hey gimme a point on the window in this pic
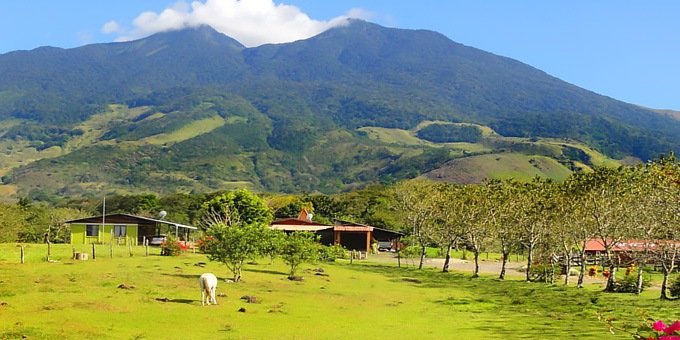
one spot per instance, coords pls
(91, 230)
(119, 231)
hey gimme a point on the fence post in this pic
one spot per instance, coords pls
(130, 248)
(146, 247)
(22, 254)
(94, 253)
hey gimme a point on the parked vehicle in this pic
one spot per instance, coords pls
(157, 240)
(384, 245)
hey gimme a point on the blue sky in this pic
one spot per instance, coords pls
(628, 50)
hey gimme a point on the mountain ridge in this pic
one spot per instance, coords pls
(278, 105)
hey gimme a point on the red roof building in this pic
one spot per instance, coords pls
(353, 236)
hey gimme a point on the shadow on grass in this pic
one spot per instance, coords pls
(194, 276)
(264, 271)
(531, 303)
(185, 301)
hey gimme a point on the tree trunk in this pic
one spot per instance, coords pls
(567, 267)
(237, 272)
(398, 256)
(664, 285)
(504, 261)
(422, 256)
(582, 271)
(639, 279)
(612, 274)
(551, 277)
(447, 259)
(530, 253)
(476, 272)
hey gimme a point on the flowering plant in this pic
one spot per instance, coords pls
(660, 331)
(650, 330)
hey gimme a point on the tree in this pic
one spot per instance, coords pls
(505, 223)
(46, 224)
(416, 207)
(608, 200)
(236, 226)
(534, 201)
(477, 220)
(131, 204)
(234, 244)
(663, 176)
(12, 220)
(450, 209)
(571, 223)
(297, 248)
(233, 207)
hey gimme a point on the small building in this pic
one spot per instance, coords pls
(624, 251)
(124, 229)
(353, 236)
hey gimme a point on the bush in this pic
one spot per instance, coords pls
(674, 287)
(540, 272)
(410, 252)
(331, 253)
(171, 247)
(629, 284)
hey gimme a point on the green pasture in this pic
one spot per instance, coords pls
(69, 299)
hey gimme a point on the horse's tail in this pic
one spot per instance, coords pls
(205, 286)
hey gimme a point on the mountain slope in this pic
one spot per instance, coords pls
(196, 110)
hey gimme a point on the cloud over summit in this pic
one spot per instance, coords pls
(251, 22)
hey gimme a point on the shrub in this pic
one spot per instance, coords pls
(171, 247)
(540, 272)
(410, 252)
(299, 247)
(331, 253)
(629, 284)
(674, 287)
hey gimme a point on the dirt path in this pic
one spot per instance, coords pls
(485, 267)
(489, 267)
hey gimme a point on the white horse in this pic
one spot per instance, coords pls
(208, 283)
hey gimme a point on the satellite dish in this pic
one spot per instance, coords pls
(162, 214)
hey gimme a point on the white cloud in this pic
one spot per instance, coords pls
(111, 27)
(251, 22)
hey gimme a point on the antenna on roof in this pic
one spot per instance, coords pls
(162, 214)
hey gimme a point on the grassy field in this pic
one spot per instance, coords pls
(79, 300)
(501, 166)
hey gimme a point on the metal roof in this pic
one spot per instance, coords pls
(141, 218)
(299, 227)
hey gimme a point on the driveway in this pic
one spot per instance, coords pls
(489, 267)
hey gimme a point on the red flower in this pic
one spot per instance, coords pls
(672, 328)
(659, 326)
(669, 337)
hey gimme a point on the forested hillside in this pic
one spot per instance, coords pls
(194, 110)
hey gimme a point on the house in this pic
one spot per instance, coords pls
(353, 236)
(623, 250)
(124, 229)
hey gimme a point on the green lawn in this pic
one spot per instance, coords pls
(78, 300)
